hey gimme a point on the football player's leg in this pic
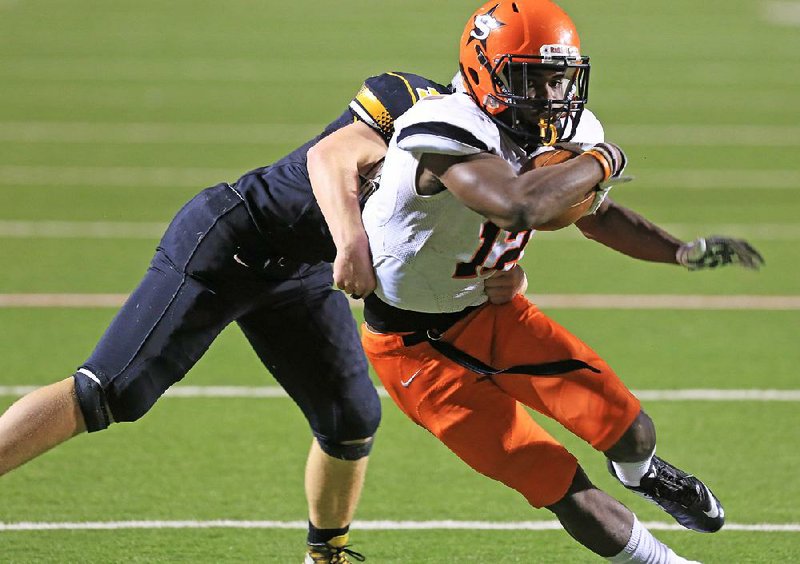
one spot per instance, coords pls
(481, 424)
(163, 328)
(37, 422)
(192, 290)
(606, 527)
(494, 434)
(688, 500)
(593, 403)
(311, 346)
(145, 349)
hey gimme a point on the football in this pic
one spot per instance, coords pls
(574, 212)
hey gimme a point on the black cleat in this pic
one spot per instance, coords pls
(683, 496)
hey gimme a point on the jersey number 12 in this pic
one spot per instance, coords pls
(513, 244)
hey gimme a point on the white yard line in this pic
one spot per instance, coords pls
(62, 300)
(682, 135)
(559, 301)
(362, 525)
(81, 229)
(273, 392)
(785, 13)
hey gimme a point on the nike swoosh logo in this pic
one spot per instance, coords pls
(407, 383)
(714, 512)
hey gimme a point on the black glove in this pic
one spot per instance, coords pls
(715, 251)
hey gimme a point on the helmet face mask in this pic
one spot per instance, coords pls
(521, 63)
(544, 97)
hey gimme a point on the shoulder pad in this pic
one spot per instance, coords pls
(385, 97)
(450, 125)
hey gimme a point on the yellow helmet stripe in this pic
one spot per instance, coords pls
(408, 86)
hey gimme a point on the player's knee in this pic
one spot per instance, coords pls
(370, 417)
(573, 500)
(638, 442)
(90, 391)
(344, 427)
(346, 450)
(363, 424)
(101, 408)
(359, 416)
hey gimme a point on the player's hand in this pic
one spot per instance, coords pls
(600, 194)
(716, 251)
(502, 286)
(352, 269)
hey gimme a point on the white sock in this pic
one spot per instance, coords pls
(644, 548)
(630, 473)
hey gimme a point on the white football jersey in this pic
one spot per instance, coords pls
(431, 252)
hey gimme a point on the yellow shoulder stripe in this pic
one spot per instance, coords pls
(375, 108)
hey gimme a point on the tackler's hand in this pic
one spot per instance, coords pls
(352, 269)
(505, 284)
(716, 251)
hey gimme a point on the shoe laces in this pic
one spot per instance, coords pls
(675, 485)
(335, 554)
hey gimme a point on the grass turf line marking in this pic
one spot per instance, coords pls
(249, 392)
(365, 525)
(559, 301)
(784, 13)
(82, 229)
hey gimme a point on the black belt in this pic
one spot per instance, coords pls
(555, 368)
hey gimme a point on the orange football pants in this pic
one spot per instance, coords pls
(484, 421)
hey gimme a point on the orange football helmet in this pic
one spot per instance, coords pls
(520, 61)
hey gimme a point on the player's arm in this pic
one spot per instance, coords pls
(626, 231)
(334, 165)
(487, 184)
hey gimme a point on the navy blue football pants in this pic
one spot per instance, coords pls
(213, 267)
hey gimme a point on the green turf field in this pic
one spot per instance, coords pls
(113, 114)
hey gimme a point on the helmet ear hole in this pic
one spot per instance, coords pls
(514, 7)
(474, 75)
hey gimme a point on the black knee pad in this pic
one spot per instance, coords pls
(92, 400)
(345, 451)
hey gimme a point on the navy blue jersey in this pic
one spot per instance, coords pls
(279, 196)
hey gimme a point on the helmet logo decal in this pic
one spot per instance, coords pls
(549, 52)
(484, 25)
